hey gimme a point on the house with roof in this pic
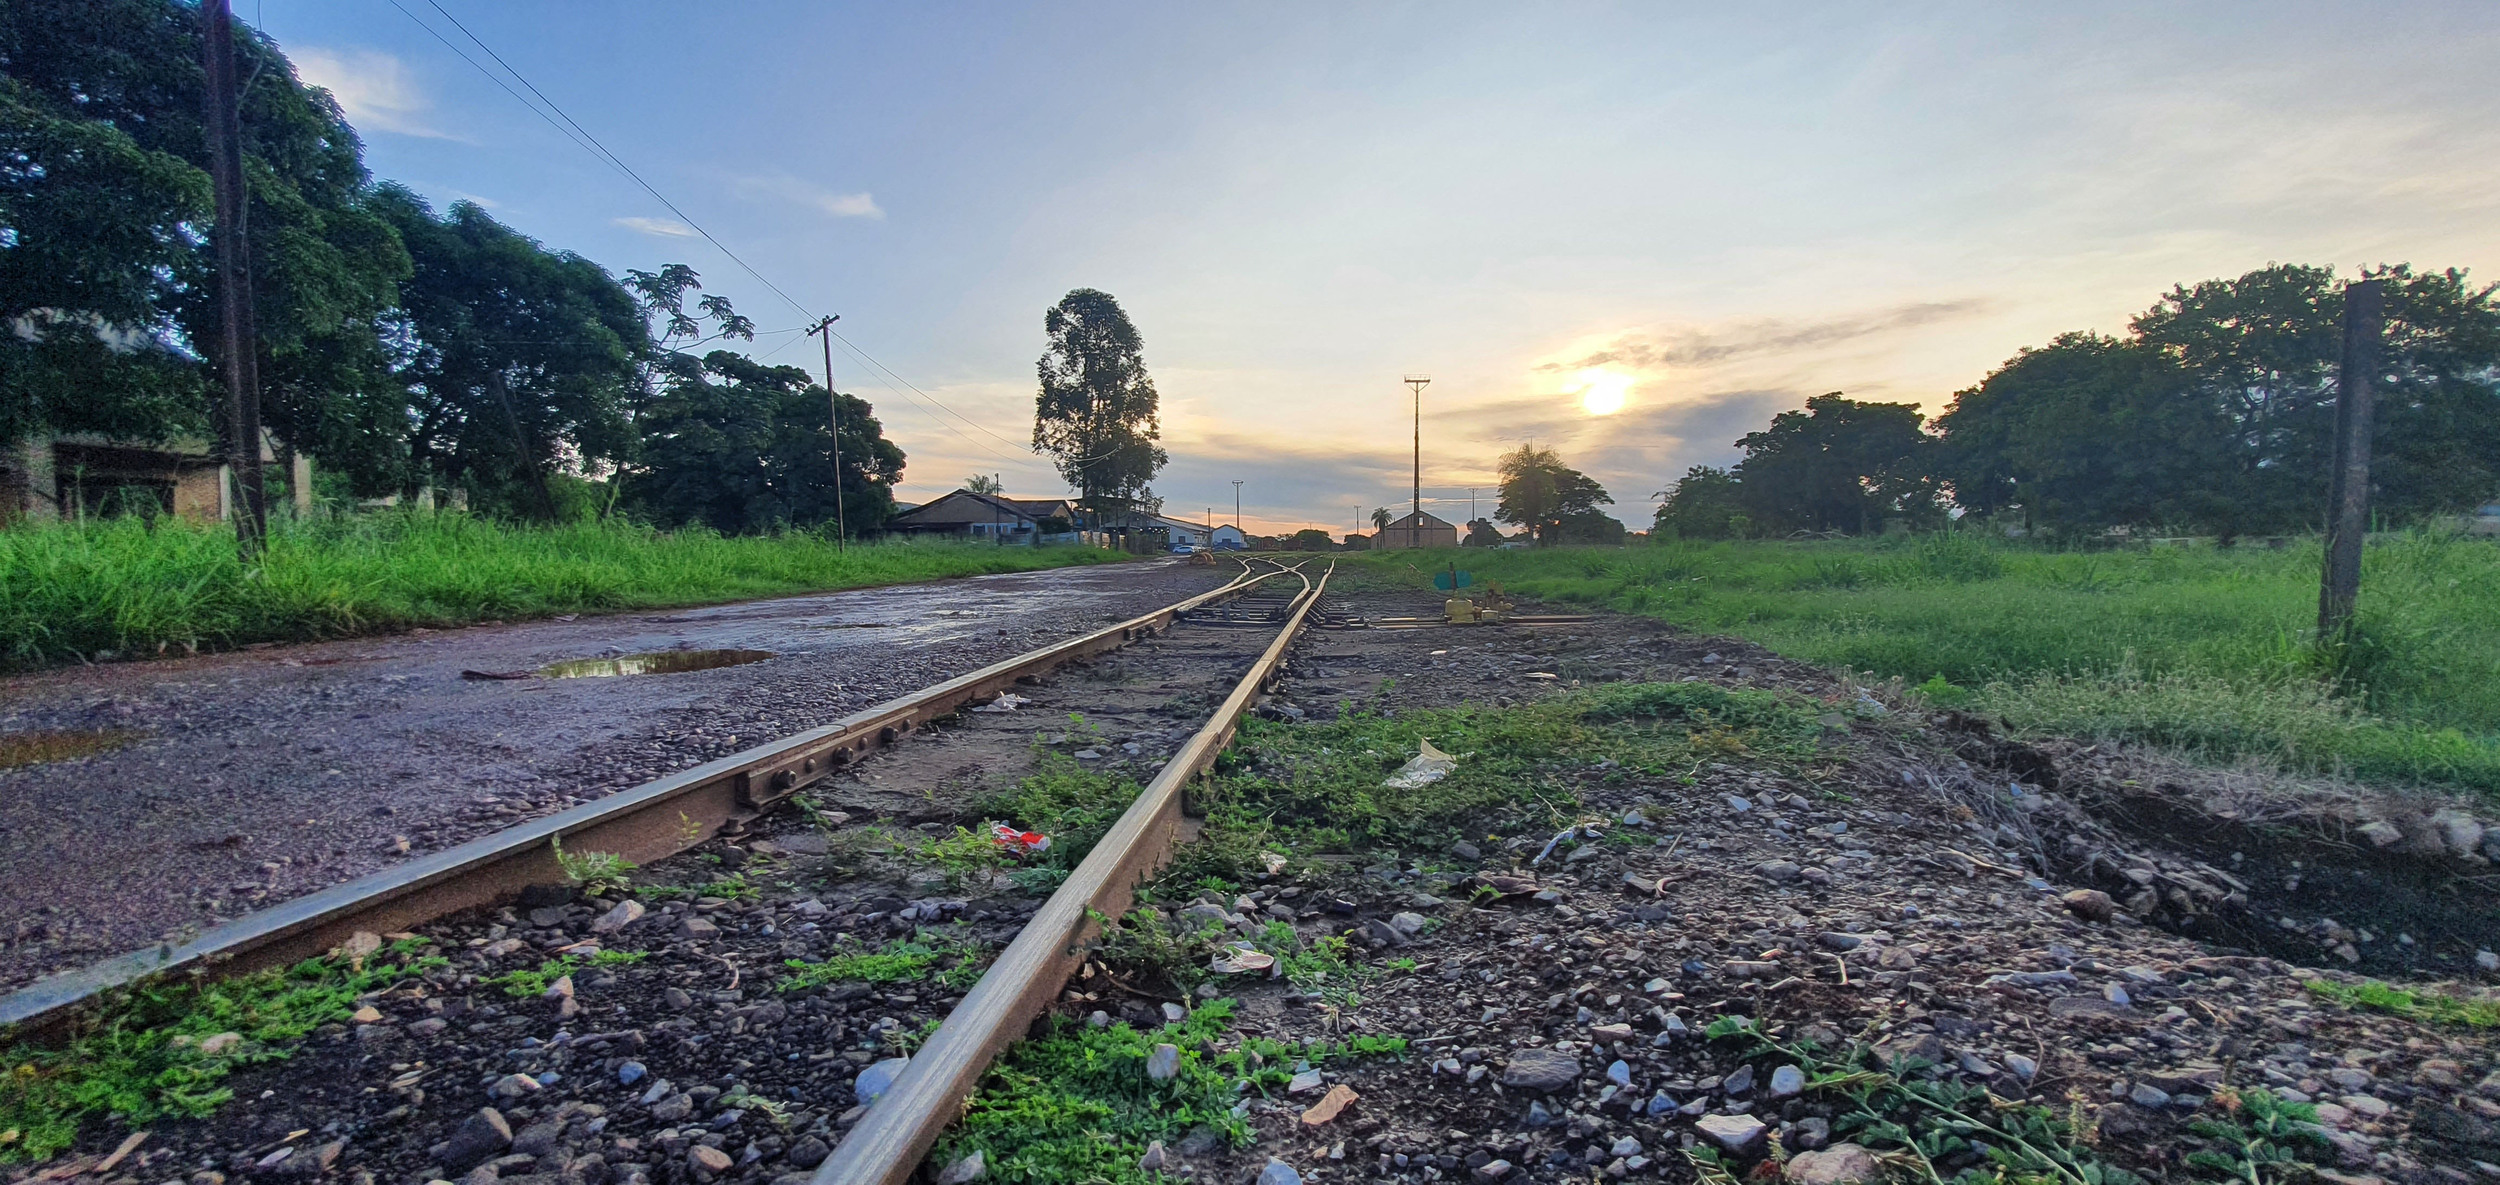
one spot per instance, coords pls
(1416, 529)
(991, 518)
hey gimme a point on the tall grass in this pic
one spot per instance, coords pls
(2205, 649)
(124, 588)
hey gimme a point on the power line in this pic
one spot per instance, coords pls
(582, 138)
(602, 151)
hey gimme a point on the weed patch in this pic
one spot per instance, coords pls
(949, 960)
(1939, 1130)
(1076, 1104)
(166, 1049)
(533, 981)
(2201, 648)
(1318, 788)
(123, 587)
(2427, 1006)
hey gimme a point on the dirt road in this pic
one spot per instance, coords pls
(248, 778)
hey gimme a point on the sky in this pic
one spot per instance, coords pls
(1631, 233)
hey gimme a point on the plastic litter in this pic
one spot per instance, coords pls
(1582, 830)
(1007, 701)
(1023, 843)
(1239, 957)
(1423, 769)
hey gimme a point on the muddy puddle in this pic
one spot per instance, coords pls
(36, 748)
(663, 662)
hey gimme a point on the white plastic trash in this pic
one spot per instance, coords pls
(1424, 768)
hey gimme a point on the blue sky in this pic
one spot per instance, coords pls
(1701, 214)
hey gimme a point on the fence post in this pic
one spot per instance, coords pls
(2348, 500)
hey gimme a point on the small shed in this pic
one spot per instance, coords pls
(1417, 529)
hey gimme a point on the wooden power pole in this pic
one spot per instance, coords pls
(234, 278)
(2348, 501)
(841, 524)
(1415, 521)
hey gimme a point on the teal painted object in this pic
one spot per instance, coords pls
(1453, 580)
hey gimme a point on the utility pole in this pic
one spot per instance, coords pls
(234, 278)
(841, 524)
(1415, 522)
(1245, 531)
(2348, 498)
(1471, 504)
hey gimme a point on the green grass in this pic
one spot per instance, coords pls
(898, 961)
(2426, 1006)
(1076, 1105)
(532, 981)
(2195, 648)
(1316, 788)
(122, 588)
(143, 1059)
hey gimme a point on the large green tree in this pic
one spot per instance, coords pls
(739, 446)
(520, 362)
(103, 234)
(1839, 465)
(1703, 504)
(1098, 416)
(2216, 412)
(1556, 502)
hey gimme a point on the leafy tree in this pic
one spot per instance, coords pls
(1590, 527)
(1381, 518)
(1704, 504)
(2088, 431)
(984, 483)
(1098, 415)
(103, 204)
(1839, 465)
(1310, 539)
(87, 335)
(742, 447)
(2217, 411)
(520, 361)
(1541, 493)
(1481, 533)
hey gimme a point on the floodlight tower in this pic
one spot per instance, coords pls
(1415, 523)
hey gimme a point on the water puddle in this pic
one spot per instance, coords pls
(664, 662)
(35, 748)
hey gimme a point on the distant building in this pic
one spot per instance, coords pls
(84, 475)
(1416, 530)
(1016, 522)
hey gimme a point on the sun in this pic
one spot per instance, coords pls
(1603, 392)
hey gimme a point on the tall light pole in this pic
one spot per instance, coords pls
(1245, 531)
(841, 527)
(1415, 522)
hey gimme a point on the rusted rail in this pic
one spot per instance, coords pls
(897, 1132)
(654, 820)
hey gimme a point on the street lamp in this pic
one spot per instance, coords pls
(1245, 531)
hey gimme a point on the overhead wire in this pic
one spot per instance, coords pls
(581, 137)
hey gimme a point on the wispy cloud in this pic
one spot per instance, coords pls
(791, 189)
(1685, 347)
(375, 90)
(663, 227)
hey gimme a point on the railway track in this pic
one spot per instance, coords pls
(1238, 633)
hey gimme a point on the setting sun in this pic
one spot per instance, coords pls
(1602, 392)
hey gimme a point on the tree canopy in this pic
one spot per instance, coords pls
(1556, 502)
(739, 446)
(1839, 465)
(1098, 416)
(2217, 411)
(400, 347)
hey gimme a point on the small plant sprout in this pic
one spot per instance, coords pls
(594, 873)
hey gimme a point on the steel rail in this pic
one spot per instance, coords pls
(648, 822)
(900, 1127)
